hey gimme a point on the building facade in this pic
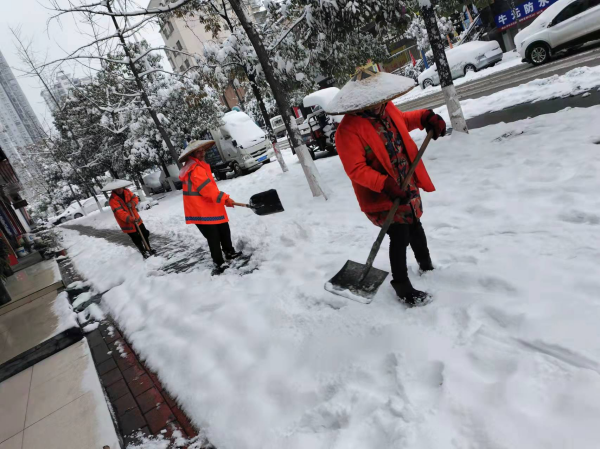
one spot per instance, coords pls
(60, 89)
(19, 125)
(188, 35)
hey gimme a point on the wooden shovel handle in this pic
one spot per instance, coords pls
(240, 204)
(392, 212)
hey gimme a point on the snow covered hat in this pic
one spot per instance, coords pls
(367, 89)
(195, 145)
(116, 184)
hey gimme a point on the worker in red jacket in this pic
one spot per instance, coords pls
(122, 202)
(376, 150)
(204, 204)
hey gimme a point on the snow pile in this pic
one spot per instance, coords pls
(242, 129)
(506, 356)
(64, 313)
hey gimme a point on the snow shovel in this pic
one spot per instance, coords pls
(264, 203)
(360, 282)
(139, 231)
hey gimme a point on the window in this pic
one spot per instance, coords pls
(182, 68)
(179, 46)
(593, 4)
(570, 11)
(187, 63)
(167, 29)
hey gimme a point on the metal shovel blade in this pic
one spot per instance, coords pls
(348, 283)
(266, 203)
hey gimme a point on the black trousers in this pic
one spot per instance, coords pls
(402, 235)
(218, 236)
(137, 238)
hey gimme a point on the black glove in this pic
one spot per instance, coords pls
(433, 122)
(393, 190)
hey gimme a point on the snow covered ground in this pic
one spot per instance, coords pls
(509, 60)
(507, 355)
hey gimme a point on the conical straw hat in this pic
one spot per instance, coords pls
(116, 184)
(195, 145)
(367, 89)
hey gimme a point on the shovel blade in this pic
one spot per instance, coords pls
(266, 203)
(349, 282)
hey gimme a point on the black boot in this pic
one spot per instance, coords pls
(145, 254)
(231, 255)
(219, 269)
(408, 294)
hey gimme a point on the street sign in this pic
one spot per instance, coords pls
(522, 12)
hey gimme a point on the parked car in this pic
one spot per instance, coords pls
(565, 24)
(278, 126)
(241, 146)
(464, 58)
(73, 211)
(318, 129)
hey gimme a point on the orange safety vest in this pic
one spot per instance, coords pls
(203, 202)
(122, 209)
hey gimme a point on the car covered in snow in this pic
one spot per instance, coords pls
(318, 129)
(565, 24)
(464, 58)
(73, 211)
(241, 146)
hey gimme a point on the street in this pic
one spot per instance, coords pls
(589, 56)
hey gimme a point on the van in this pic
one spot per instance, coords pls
(241, 146)
(278, 126)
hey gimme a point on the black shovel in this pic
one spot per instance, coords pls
(360, 282)
(264, 203)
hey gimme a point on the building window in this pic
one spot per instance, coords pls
(167, 29)
(187, 63)
(179, 46)
(182, 68)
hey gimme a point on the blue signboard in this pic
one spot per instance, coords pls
(521, 12)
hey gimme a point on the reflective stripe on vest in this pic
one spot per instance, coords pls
(189, 191)
(220, 197)
(118, 208)
(220, 217)
(123, 228)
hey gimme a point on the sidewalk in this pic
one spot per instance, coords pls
(50, 393)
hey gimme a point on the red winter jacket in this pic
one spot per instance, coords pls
(122, 210)
(354, 134)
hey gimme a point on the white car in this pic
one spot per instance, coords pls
(464, 58)
(74, 211)
(565, 24)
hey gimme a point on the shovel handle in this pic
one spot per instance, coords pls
(392, 212)
(240, 204)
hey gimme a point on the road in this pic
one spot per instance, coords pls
(590, 56)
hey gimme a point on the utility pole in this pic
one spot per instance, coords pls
(457, 118)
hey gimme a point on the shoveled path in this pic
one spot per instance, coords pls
(178, 261)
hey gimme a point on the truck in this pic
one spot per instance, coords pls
(241, 146)
(278, 126)
(318, 129)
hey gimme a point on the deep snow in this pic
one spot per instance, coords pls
(507, 355)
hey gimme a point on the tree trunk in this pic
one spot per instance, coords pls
(259, 99)
(313, 177)
(144, 94)
(263, 109)
(457, 118)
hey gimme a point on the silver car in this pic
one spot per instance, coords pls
(467, 57)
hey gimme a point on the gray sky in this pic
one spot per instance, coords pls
(53, 40)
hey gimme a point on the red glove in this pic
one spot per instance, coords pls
(229, 202)
(433, 122)
(393, 190)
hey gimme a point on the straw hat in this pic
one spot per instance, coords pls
(116, 184)
(193, 146)
(367, 89)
